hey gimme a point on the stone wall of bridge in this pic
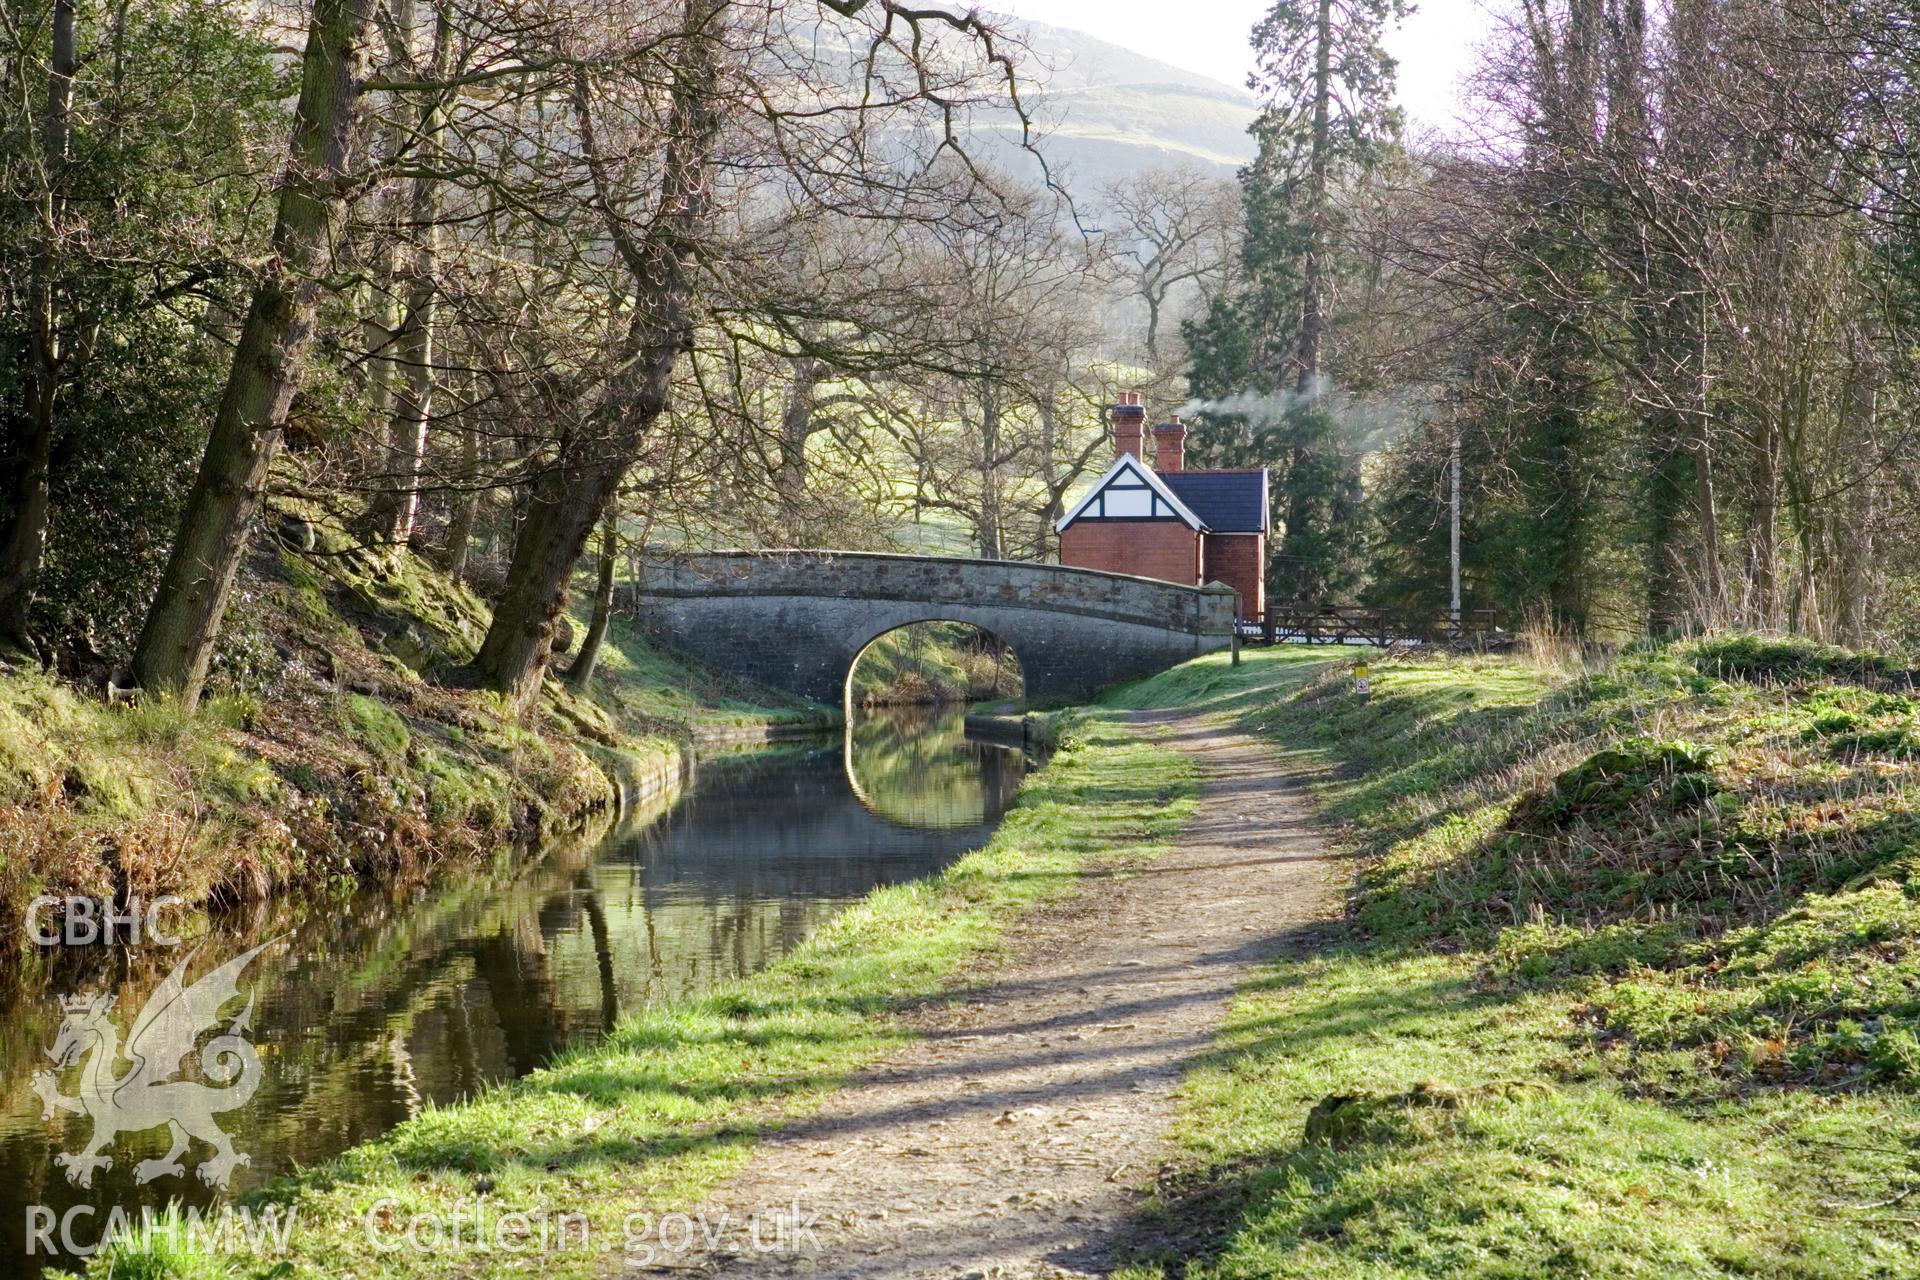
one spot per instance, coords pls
(797, 620)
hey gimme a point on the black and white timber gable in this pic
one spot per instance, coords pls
(1131, 491)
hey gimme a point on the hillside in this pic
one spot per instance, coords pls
(1093, 135)
(1107, 111)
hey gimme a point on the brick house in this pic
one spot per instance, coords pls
(1163, 521)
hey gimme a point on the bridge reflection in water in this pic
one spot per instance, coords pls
(384, 1002)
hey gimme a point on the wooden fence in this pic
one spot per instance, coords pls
(1355, 624)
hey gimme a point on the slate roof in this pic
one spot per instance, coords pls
(1228, 501)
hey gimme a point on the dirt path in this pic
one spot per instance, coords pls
(1019, 1137)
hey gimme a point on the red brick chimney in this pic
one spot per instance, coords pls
(1129, 425)
(1169, 444)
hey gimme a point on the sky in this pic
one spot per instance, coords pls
(1434, 46)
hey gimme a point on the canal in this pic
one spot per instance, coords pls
(375, 1004)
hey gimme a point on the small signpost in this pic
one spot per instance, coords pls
(1360, 684)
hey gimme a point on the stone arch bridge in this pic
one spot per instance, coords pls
(798, 620)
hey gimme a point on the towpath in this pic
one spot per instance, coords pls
(1021, 1134)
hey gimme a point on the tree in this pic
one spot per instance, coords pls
(1666, 320)
(1319, 130)
(568, 498)
(1179, 230)
(571, 221)
(23, 536)
(1326, 124)
(587, 661)
(1007, 418)
(176, 643)
(723, 61)
(125, 164)
(396, 505)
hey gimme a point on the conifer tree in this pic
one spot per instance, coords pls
(1326, 122)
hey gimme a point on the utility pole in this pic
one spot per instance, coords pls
(1456, 532)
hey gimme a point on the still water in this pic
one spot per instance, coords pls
(374, 1006)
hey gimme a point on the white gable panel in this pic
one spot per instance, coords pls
(1120, 494)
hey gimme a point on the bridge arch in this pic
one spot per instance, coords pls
(797, 620)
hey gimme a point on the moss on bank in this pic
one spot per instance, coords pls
(1629, 987)
(328, 750)
(671, 1102)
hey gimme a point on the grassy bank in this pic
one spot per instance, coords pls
(672, 1101)
(1630, 984)
(327, 750)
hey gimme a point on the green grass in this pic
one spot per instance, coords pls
(1629, 987)
(672, 1101)
(1529, 1157)
(1214, 684)
(86, 787)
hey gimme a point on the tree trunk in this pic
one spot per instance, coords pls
(1054, 507)
(796, 428)
(466, 508)
(989, 530)
(565, 503)
(569, 496)
(1764, 522)
(1666, 505)
(1855, 548)
(1665, 354)
(177, 641)
(580, 674)
(1312, 265)
(1565, 526)
(380, 325)
(1712, 588)
(23, 537)
(396, 508)
(383, 310)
